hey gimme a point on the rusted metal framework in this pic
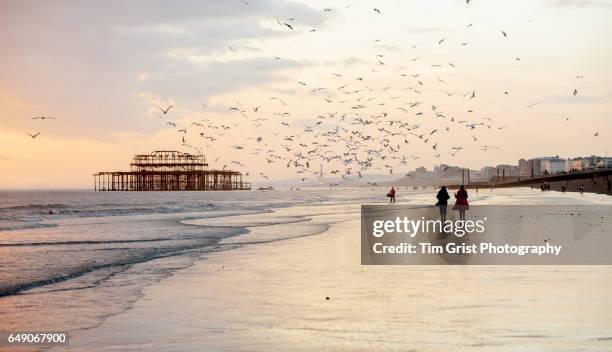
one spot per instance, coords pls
(168, 170)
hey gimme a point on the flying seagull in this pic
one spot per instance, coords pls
(34, 135)
(284, 24)
(166, 110)
(43, 118)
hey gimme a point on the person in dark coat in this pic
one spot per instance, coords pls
(391, 195)
(461, 202)
(442, 203)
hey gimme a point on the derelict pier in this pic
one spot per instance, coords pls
(164, 170)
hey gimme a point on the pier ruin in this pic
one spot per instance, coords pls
(169, 170)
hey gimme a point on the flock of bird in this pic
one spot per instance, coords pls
(348, 138)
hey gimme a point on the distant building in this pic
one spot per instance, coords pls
(545, 165)
(604, 163)
(507, 170)
(422, 173)
(552, 166)
(576, 164)
(583, 163)
(523, 168)
(447, 172)
(487, 172)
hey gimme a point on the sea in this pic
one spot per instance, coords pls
(81, 256)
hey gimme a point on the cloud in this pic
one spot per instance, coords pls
(426, 29)
(579, 3)
(353, 60)
(93, 60)
(570, 99)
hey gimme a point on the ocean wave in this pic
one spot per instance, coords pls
(24, 226)
(73, 243)
(37, 215)
(150, 254)
(33, 206)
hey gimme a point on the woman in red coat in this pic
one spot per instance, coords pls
(461, 202)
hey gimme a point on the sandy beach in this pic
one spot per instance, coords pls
(273, 296)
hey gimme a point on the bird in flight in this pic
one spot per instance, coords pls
(166, 110)
(43, 118)
(575, 92)
(596, 134)
(505, 34)
(284, 24)
(34, 135)
(377, 11)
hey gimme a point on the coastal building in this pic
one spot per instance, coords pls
(523, 168)
(169, 171)
(604, 163)
(552, 166)
(584, 163)
(545, 165)
(421, 173)
(446, 172)
(507, 170)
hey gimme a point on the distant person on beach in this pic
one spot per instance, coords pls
(442, 203)
(581, 189)
(461, 202)
(391, 195)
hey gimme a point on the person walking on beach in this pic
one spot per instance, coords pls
(461, 202)
(391, 195)
(442, 203)
(581, 189)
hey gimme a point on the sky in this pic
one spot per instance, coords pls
(103, 69)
